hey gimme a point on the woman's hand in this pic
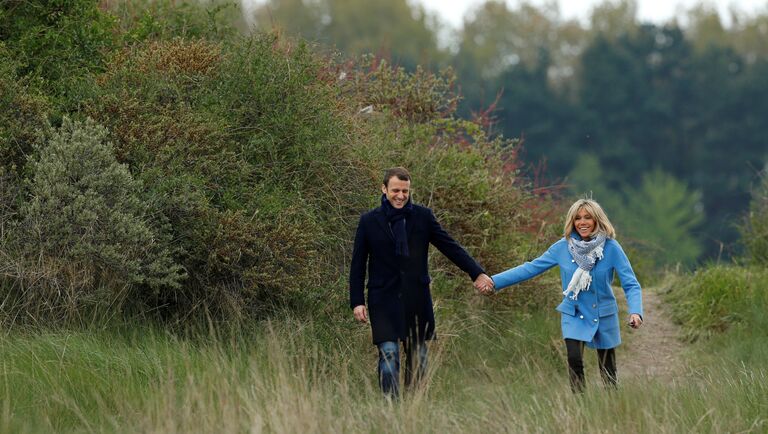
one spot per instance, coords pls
(635, 321)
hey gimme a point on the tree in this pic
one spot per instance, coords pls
(663, 214)
(394, 29)
(495, 39)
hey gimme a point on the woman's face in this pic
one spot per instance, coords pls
(584, 223)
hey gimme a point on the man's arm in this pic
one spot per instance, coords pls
(456, 253)
(357, 267)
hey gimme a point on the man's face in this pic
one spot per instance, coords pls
(397, 191)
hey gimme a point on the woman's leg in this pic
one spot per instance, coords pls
(575, 350)
(607, 361)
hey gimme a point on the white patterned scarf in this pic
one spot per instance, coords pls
(586, 254)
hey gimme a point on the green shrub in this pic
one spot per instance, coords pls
(85, 237)
(239, 150)
(247, 163)
(714, 298)
(143, 20)
(754, 229)
(22, 114)
(57, 43)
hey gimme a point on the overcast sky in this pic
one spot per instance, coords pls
(657, 11)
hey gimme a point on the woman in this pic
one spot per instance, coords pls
(588, 256)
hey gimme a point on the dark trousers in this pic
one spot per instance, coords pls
(605, 358)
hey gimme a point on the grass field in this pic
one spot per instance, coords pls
(491, 371)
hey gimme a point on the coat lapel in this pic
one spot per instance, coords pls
(410, 222)
(381, 218)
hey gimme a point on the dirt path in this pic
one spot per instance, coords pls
(655, 350)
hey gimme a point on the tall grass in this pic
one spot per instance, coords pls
(491, 371)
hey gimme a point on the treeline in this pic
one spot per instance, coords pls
(155, 162)
(663, 123)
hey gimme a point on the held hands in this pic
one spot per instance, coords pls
(635, 321)
(361, 314)
(484, 284)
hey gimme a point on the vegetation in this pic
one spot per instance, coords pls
(488, 371)
(177, 202)
(754, 229)
(194, 173)
(685, 100)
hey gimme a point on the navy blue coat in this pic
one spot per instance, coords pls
(399, 300)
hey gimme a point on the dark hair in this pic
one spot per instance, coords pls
(401, 173)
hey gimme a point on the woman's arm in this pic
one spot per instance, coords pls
(527, 270)
(629, 283)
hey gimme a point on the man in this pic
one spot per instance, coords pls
(393, 241)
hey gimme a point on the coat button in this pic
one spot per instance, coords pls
(572, 260)
(581, 316)
(594, 306)
(595, 320)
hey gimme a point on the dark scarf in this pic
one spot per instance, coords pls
(396, 218)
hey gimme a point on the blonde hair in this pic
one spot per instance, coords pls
(602, 224)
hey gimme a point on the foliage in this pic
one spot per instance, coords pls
(235, 146)
(754, 229)
(57, 43)
(22, 114)
(662, 214)
(396, 29)
(142, 20)
(470, 179)
(84, 237)
(713, 299)
(637, 96)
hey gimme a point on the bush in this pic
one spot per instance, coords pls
(754, 229)
(239, 150)
(57, 43)
(715, 298)
(22, 114)
(235, 175)
(85, 238)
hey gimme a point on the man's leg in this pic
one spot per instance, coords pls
(575, 351)
(415, 362)
(607, 361)
(389, 368)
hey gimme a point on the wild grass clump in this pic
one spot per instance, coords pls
(716, 298)
(489, 371)
(754, 229)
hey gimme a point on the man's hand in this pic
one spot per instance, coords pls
(635, 321)
(361, 314)
(484, 284)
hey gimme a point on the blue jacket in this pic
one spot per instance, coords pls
(594, 316)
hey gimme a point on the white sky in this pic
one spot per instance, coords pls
(657, 11)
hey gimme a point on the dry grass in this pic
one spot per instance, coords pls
(489, 372)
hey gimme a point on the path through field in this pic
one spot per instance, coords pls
(654, 351)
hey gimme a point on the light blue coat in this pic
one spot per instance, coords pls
(594, 316)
